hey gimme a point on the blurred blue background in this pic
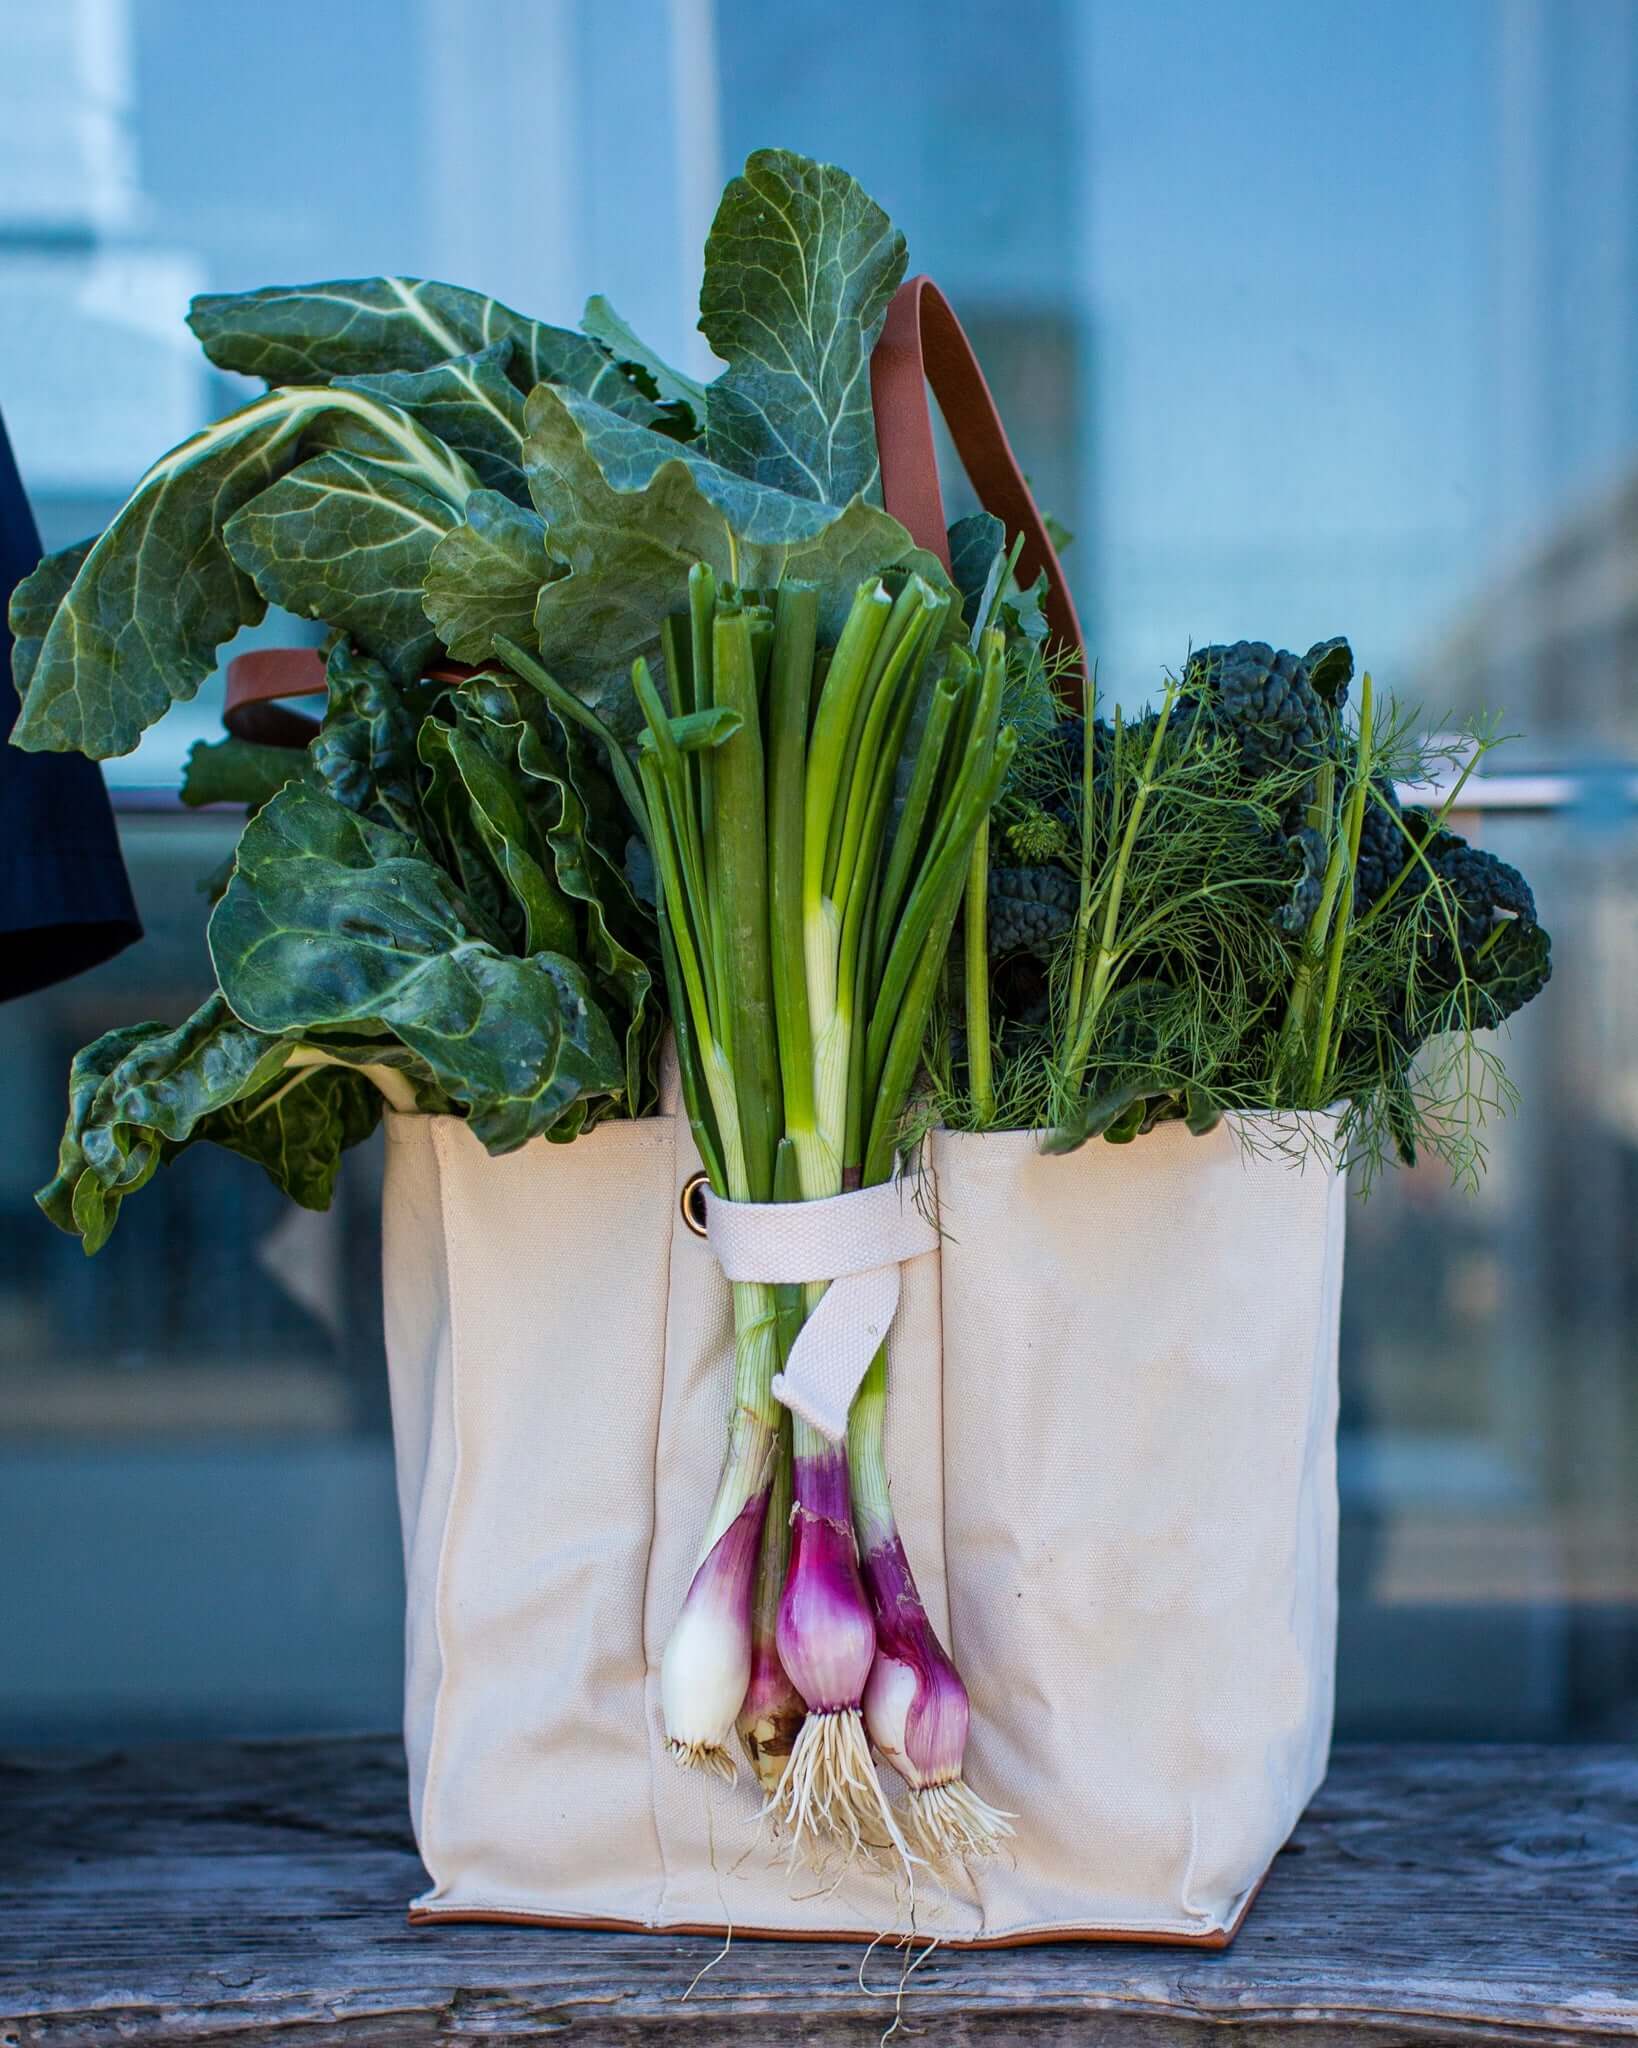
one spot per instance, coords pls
(1309, 318)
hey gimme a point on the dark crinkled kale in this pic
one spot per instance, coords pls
(1309, 853)
(1030, 910)
(1264, 698)
(1382, 848)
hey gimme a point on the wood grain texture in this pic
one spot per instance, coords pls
(254, 1892)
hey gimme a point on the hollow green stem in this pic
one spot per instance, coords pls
(1103, 966)
(1355, 825)
(980, 1076)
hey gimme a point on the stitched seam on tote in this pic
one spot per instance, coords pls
(653, 1526)
(435, 1740)
(1202, 1924)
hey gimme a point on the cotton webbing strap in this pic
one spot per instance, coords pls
(856, 1242)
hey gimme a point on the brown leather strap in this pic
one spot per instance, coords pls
(922, 344)
(255, 683)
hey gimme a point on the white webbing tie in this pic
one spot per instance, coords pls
(856, 1242)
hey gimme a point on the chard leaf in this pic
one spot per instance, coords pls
(141, 1095)
(485, 576)
(470, 404)
(629, 553)
(669, 386)
(349, 541)
(235, 771)
(363, 327)
(159, 593)
(799, 267)
(34, 605)
(330, 921)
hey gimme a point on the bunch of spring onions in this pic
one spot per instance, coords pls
(807, 891)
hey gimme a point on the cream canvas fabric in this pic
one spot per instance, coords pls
(1111, 1428)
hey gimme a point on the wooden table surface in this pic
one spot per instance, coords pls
(242, 1893)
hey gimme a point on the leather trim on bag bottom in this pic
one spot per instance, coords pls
(1219, 1938)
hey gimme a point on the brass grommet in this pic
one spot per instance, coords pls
(693, 1203)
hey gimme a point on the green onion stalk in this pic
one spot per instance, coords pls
(867, 907)
(702, 784)
(805, 926)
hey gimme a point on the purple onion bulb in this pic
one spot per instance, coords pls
(826, 1637)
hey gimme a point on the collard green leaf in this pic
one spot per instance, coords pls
(669, 386)
(799, 267)
(235, 771)
(498, 817)
(34, 605)
(348, 540)
(141, 1095)
(330, 920)
(367, 326)
(629, 553)
(486, 575)
(364, 753)
(974, 544)
(629, 454)
(613, 917)
(470, 404)
(158, 593)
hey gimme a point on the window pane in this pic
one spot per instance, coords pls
(1305, 320)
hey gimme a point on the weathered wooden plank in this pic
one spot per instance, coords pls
(237, 1894)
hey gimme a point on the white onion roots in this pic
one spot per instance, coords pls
(705, 1756)
(830, 1801)
(949, 1823)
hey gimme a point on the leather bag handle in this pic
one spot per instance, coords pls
(251, 709)
(922, 343)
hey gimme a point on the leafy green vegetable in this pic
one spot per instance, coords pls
(370, 326)
(1153, 956)
(471, 404)
(350, 541)
(140, 1095)
(34, 604)
(628, 551)
(364, 753)
(497, 812)
(669, 387)
(235, 771)
(159, 592)
(485, 576)
(975, 542)
(331, 920)
(629, 455)
(799, 267)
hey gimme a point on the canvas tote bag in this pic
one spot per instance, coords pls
(1111, 1432)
